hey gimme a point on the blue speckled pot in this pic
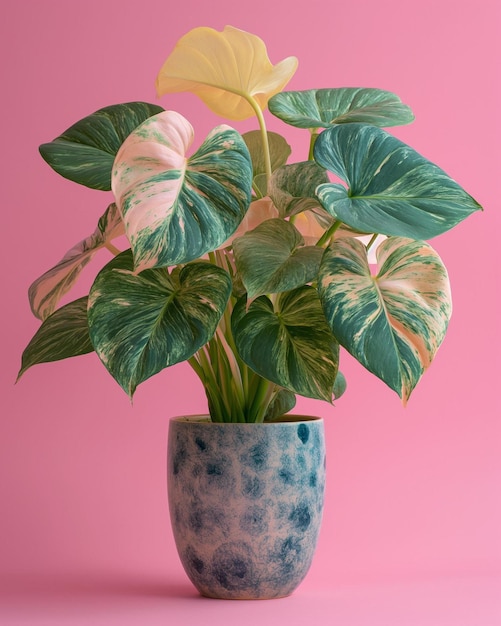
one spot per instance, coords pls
(246, 503)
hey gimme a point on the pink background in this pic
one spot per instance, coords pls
(412, 526)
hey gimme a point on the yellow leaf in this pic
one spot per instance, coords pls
(225, 70)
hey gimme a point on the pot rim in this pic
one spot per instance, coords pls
(204, 420)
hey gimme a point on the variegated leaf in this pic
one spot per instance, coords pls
(392, 323)
(46, 292)
(321, 108)
(225, 70)
(142, 323)
(177, 209)
(63, 334)
(292, 187)
(273, 258)
(289, 344)
(393, 190)
(85, 152)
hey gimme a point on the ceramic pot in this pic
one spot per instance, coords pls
(246, 503)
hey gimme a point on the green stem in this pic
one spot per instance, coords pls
(235, 393)
(216, 411)
(371, 242)
(260, 399)
(227, 355)
(221, 413)
(313, 138)
(264, 138)
(328, 233)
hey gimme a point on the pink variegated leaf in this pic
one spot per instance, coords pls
(46, 292)
(392, 323)
(177, 208)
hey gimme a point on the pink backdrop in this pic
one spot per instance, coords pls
(412, 525)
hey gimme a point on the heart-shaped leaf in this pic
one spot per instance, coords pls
(279, 153)
(85, 152)
(272, 258)
(393, 190)
(279, 150)
(142, 323)
(291, 345)
(63, 334)
(321, 108)
(292, 187)
(177, 209)
(225, 70)
(46, 292)
(392, 323)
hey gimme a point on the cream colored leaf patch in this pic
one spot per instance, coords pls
(224, 69)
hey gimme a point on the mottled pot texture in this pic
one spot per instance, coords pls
(246, 503)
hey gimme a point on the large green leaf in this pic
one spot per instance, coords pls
(292, 187)
(291, 344)
(63, 334)
(392, 323)
(142, 323)
(177, 209)
(46, 292)
(85, 152)
(273, 258)
(321, 108)
(393, 190)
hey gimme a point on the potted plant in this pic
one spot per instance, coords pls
(255, 271)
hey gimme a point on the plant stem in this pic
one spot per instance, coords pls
(313, 138)
(261, 399)
(109, 246)
(264, 138)
(371, 242)
(328, 233)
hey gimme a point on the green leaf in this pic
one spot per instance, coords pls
(339, 385)
(260, 185)
(177, 209)
(292, 187)
(63, 334)
(392, 323)
(85, 152)
(283, 402)
(321, 108)
(46, 292)
(279, 153)
(272, 258)
(142, 323)
(279, 150)
(393, 190)
(291, 345)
